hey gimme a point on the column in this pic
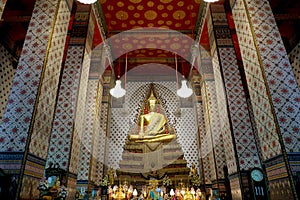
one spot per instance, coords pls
(67, 128)
(2, 6)
(274, 94)
(7, 72)
(26, 125)
(242, 153)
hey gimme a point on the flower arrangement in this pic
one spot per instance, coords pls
(46, 189)
(105, 181)
(167, 181)
(196, 181)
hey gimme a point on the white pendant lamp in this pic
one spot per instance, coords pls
(184, 91)
(117, 91)
(210, 1)
(87, 1)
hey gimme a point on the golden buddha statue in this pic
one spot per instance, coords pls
(152, 125)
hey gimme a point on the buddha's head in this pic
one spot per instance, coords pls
(152, 102)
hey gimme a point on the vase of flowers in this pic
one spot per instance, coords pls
(104, 185)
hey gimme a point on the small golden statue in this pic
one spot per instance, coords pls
(152, 125)
(111, 176)
(193, 171)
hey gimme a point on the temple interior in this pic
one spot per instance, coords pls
(150, 99)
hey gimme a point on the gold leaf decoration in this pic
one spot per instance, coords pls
(131, 7)
(170, 7)
(166, 1)
(122, 15)
(180, 3)
(160, 7)
(136, 15)
(179, 14)
(135, 1)
(150, 14)
(120, 4)
(150, 4)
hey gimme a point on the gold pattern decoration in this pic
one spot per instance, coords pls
(102, 1)
(150, 25)
(140, 22)
(131, 7)
(150, 53)
(166, 27)
(140, 55)
(112, 22)
(160, 22)
(120, 4)
(150, 14)
(198, 1)
(169, 22)
(190, 7)
(122, 15)
(150, 4)
(194, 14)
(175, 46)
(124, 25)
(143, 51)
(170, 7)
(179, 14)
(139, 46)
(110, 8)
(180, 3)
(108, 15)
(187, 22)
(136, 15)
(135, 41)
(135, 1)
(127, 46)
(160, 7)
(132, 22)
(136, 27)
(140, 7)
(164, 15)
(166, 1)
(177, 25)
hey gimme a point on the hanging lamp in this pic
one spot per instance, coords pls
(118, 91)
(87, 1)
(184, 91)
(210, 1)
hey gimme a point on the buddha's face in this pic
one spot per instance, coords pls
(152, 107)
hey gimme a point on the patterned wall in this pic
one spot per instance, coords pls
(207, 145)
(34, 73)
(239, 113)
(96, 158)
(87, 140)
(272, 87)
(222, 106)
(6, 77)
(67, 125)
(271, 68)
(211, 106)
(102, 122)
(295, 62)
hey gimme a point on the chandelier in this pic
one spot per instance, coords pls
(87, 1)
